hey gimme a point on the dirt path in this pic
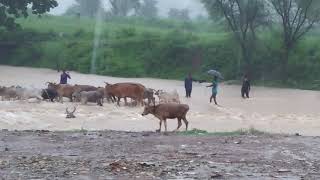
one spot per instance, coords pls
(270, 109)
(147, 155)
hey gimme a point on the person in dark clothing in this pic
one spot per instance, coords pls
(64, 77)
(188, 85)
(245, 90)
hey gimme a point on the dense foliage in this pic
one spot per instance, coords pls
(11, 9)
(138, 48)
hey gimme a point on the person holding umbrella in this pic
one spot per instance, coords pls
(214, 85)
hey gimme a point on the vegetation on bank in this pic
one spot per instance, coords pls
(240, 132)
(137, 47)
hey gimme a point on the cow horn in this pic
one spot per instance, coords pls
(74, 110)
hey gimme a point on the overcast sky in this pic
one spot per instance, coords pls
(194, 6)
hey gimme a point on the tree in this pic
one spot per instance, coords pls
(181, 15)
(297, 18)
(122, 8)
(148, 9)
(243, 18)
(11, 9)
(87, 8)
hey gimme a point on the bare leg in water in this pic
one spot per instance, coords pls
(214, 97)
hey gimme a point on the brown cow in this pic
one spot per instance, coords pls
(126, 90)
(168, 111)
(63, 90)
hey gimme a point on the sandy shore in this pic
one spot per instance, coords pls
(269, 109)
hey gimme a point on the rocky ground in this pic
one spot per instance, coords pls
(124, 155)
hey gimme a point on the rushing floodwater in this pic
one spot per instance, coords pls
(269, 109)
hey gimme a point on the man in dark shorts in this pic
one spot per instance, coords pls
(64, 77)
(245, 89)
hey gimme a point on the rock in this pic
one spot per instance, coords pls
(283, 170)
(238, 142)
(147, 164)
(215, 175)
(297, 134)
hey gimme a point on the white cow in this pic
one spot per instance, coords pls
(168, 97)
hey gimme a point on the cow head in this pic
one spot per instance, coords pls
(158, 92)
(76, 96)
(148, 110)
(71, 114)
(52, 85)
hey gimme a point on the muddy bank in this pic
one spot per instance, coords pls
(148, 155)
(270, 109)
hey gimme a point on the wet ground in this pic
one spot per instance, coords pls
(146, 155)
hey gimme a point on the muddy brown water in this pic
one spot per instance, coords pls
(270, 109)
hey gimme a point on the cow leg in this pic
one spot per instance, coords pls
(165, 125)
(179, 124)
(61, 99)
(160, 124)
(125, 101)
(186, 123)
(100, 102)
(118, 101)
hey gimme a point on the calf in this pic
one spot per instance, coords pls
(168, 111)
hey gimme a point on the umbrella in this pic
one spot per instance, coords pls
(215, 73)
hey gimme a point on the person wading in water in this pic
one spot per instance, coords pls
(246, 87)
(214, 86)
(64, 77)
(188, 85)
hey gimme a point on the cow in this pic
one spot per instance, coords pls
(50, 94)
(24, 93)
(80, 88)
(19, 93)
(89, 96)
(8, 93)
(63, 90)
(168, 111)
(166, 97)
(134, 91)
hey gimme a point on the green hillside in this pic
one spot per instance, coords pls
(135, 47)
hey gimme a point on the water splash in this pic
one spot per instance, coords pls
(97, 38)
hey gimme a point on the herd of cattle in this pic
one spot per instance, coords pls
(169, 106)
